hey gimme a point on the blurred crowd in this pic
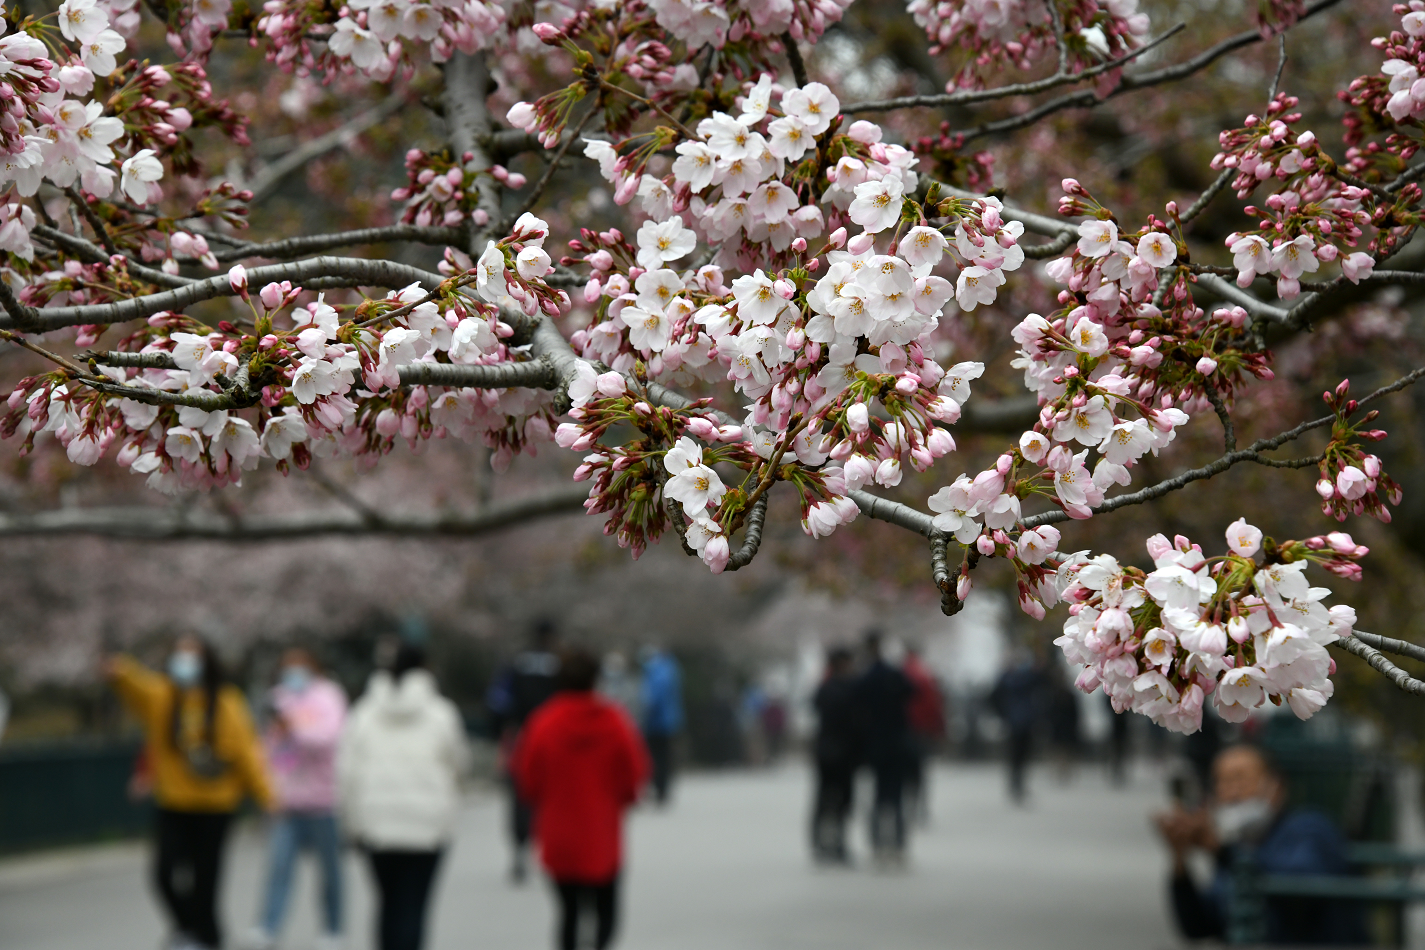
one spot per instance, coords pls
(580, 739)
(384, 773)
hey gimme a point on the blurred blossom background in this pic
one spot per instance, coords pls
(728, 859)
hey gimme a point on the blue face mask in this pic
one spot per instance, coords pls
(185, 668)
(296, 678)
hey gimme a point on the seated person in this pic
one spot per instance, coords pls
(1248, 812)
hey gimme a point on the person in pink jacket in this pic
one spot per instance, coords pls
(307, 713)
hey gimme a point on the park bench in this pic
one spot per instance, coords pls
(1385, 879)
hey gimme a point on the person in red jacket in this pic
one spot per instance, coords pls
(580, 764)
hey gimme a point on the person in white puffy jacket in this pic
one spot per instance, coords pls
(398, 769)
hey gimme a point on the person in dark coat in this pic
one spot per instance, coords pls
(520, 688)
(883, 694)
(1249, 819)
(1017, 700)
(926, 713)
(838, 753)
(581, 764)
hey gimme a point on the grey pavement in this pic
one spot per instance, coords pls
(724, 868)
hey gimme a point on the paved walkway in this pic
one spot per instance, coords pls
(724, 869)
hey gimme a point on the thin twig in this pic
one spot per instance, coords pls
(794, 57)
(89, 215)
(549, 171)
(1281, 67)
(1229, 432)
(1015, 89)
(1205, 199)
(1088, 98)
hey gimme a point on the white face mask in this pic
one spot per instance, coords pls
(1242, 820)
(185, 667)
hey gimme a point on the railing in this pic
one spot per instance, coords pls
(54, 795)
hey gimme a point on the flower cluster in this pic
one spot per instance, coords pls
(320, 387)
(715, 22)
(374, 38)
(816, 339)
(1314, 217)
(442, 191)
(1352, 481)
(1017, 33)
(1240, 631)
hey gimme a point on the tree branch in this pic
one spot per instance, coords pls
(535, 374)
(332, 271)
(97, 255)
(1398, 647)
(1060, 78)
(153, 523)
(308, 244)
(794, 58)
(1088, 98)
(752, 536)
(467, 83)
(1380, 664)
(267, 179)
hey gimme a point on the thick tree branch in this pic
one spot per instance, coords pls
(1389, 645)
(331, 271)
(535, 374)
(467, 83)
(752, 536)
(1381, 665)
(153, 523)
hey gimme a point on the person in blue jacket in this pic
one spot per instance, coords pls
(1248, 813)
(662, 715)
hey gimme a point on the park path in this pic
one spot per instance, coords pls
(724, 868)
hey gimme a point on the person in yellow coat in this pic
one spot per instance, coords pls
(205, 758)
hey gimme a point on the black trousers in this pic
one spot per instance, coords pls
(1021, 744)
(404, 880)
(188, 860)
(576, 900)
(521, 818)
(888, 810)
(660, 752)
(835, 785)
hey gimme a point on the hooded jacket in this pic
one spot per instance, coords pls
(580, 764)
(303, 756)
(398, 765)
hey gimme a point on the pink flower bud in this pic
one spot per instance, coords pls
(986, 545)
(861, 243)
(784, 289)
(1207, 366)
(271, 296)
(838, 238)
(963, 586)
(237, 279)
(799, 245)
